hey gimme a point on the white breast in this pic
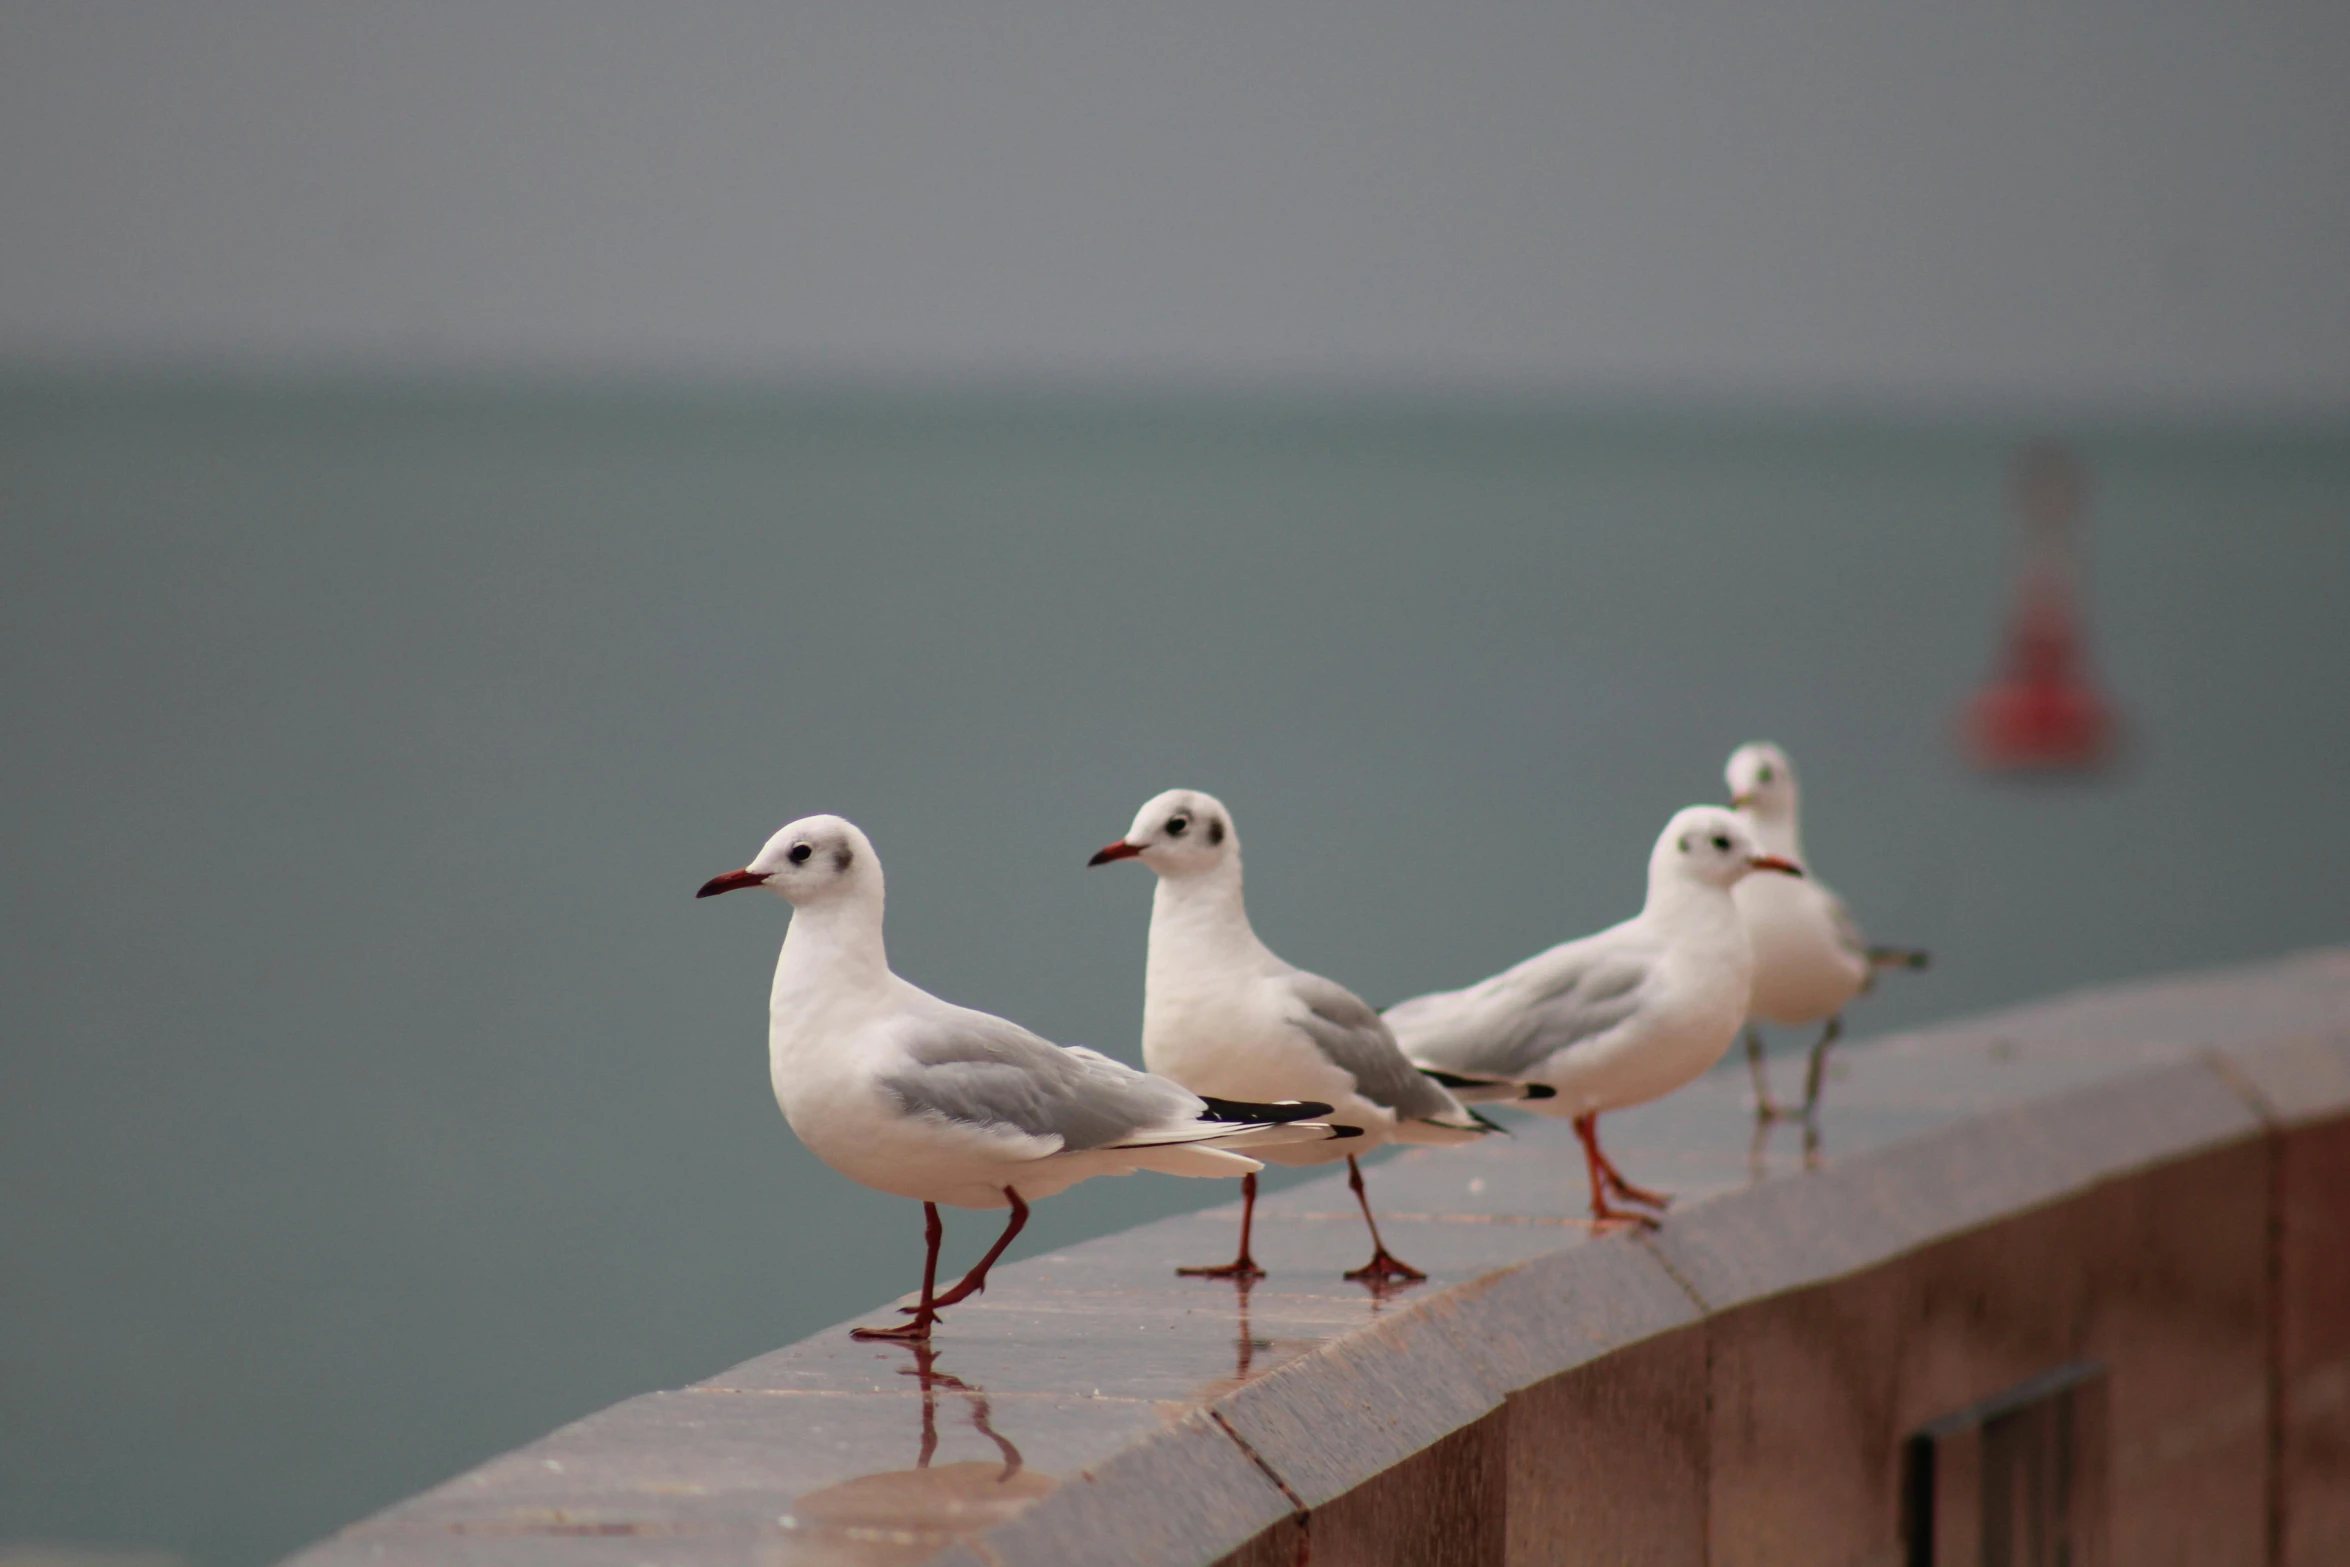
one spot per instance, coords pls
(1234, 1040)
(1803, 972)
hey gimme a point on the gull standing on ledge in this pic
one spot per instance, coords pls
(919, 1098)
(1809, 958)
(1222, 1015)
(1618, 1018)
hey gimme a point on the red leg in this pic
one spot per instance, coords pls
(1382, 1268)
(1243, 1267)
(1766, 1109)
(976, 1279)
(927, 1312)
(1817, 1070)
(1596, 1167)
(1615, 1177)
(1630, 1193)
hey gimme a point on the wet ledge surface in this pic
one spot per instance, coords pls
(1092, 1408)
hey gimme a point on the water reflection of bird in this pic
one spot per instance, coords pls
(1809, 958)
(911, 1095)
(903, 1516)
(925, 1369)
(1252, 1355)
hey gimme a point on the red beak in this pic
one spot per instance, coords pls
(732, 881)
(1771, 862)
(1121, 850)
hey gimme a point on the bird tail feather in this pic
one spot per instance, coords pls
(1260, 1114)
(1234, 1123)
(1193, 1159)
(1486, 1090)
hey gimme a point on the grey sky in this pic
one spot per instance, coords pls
(2110, 203)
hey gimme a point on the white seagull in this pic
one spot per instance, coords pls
(1222, 1015)
(1618, 1018)
(920, 1098)
(1809, 958)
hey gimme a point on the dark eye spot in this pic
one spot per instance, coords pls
(799, 854)
(1721, 843)
(1215, 829)
(1177, 826)
(842, 858)
(1684, 846)
(1763, 776)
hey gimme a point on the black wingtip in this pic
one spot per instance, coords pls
(1457, 1081)
(1274, 1114)
(1486, 1121)
(1337, 1132)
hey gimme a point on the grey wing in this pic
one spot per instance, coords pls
(1539, 1009)
(1582, 1003)
(1851, 941)
(1358, 1040)
(1847, 928)
(988, 1072)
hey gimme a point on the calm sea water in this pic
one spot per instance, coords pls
(375, 1095)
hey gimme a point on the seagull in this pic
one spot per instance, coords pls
(920, 1098)
(1809, 958)
(1222, 1015)
(1621, 1017)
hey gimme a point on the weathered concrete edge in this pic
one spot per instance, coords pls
(2294, 1080)
(1798, 1232)
(1375, 1397)
(1324, 1424)
(1191, 1493)
(1772, 1239)
(1332, 1421)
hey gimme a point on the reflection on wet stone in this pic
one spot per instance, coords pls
(1251, 1356)
(903, 1516)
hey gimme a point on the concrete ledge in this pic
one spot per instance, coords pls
(1785, 1235)
(2157, 1177)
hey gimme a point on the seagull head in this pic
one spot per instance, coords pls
(809, 861)
(1710, 846)
(1762, 781)
(1180, 833)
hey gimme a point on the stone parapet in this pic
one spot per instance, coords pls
(2138, 1197)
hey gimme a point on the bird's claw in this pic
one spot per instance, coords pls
(1640, 1194)
(915, 1331)
(1384, 1269)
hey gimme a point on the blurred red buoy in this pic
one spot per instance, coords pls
(2042, 710)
